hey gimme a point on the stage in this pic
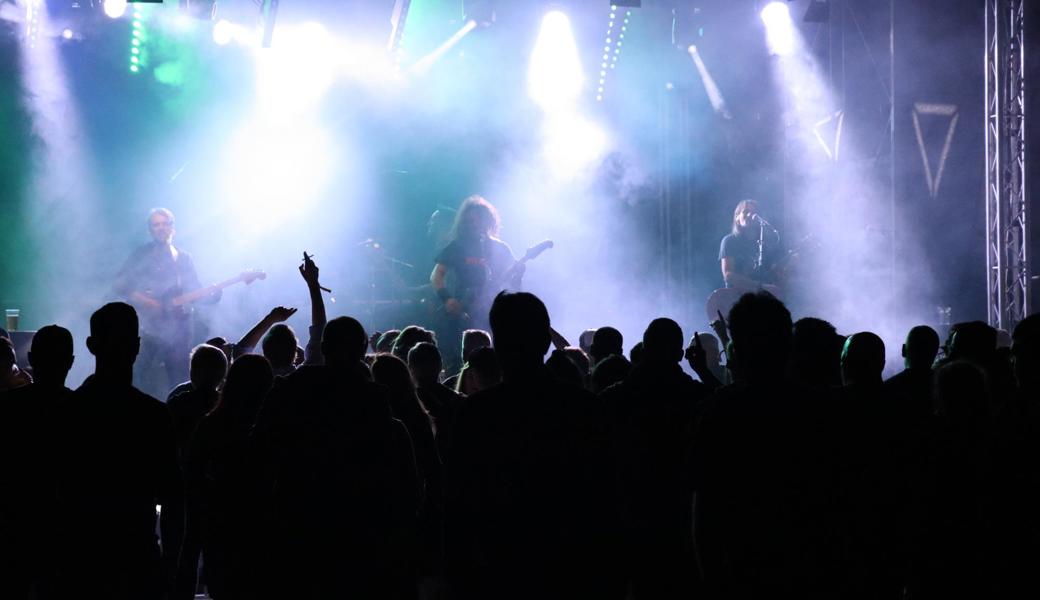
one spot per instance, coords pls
(625, 133)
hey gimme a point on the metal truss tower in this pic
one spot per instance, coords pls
(1007, 267)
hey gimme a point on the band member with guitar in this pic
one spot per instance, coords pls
(744, 253)
(745, 258)
(153, 275)
(475, 265)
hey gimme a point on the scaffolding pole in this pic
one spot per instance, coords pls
(1007, 267)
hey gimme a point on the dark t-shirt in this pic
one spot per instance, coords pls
(153, 270)
(743, 250)
(476, 264)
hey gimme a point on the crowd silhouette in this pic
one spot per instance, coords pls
(355, 467)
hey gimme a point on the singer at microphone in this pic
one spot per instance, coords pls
(745, 255)
(758, 219)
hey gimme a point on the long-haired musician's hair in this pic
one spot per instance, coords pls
(487, 216)
(736, 212)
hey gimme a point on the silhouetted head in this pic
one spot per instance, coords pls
(385, 343)
(520, 329)
(743, 214)
(862, 359)
(50, 354)
(605, 342)
(472, 339)
(114, 335)
(222, 343)
(208, 367)
(476, 217)
(8, 359)
(635, 355)
(610, 370)
(248, 381)
(663, 341)
(974, 341)
(815, 353)
(424, 360)
(921, 348)
(279, 346)
(585, 339)
(562, 368)
(1025, 353)
(961, 394)
(711, 346)
(392, 372)
(580, 359)
(760, 330)
(481, 371)
(409, 337)
(4, 334)
(344, 341)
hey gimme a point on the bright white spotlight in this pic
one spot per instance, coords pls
(66, 34)
(275, 171)
(780, 34)
(293, 76)
(115, 8)
(571, 144)
(775, 13)
(223, 32)
(554, 75)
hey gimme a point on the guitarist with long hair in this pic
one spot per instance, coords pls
(470, 270)
(153, 274)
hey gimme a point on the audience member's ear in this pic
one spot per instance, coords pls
(92, 345)
(903, 351)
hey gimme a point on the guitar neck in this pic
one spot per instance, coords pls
(203, 292)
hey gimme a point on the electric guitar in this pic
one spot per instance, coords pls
(476, 300)
(723, 299)
(173, 302)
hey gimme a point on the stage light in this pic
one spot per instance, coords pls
(223, 32)
(66, 34)
(137, 59)
(554, 75)
(115, 8)
(775, 13)
(424, 64)
(293, 76)
(780, 33)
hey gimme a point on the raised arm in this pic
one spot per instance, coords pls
(558, 341)
(252, 337)
(309, 272)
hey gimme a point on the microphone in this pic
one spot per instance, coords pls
(762, 222)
